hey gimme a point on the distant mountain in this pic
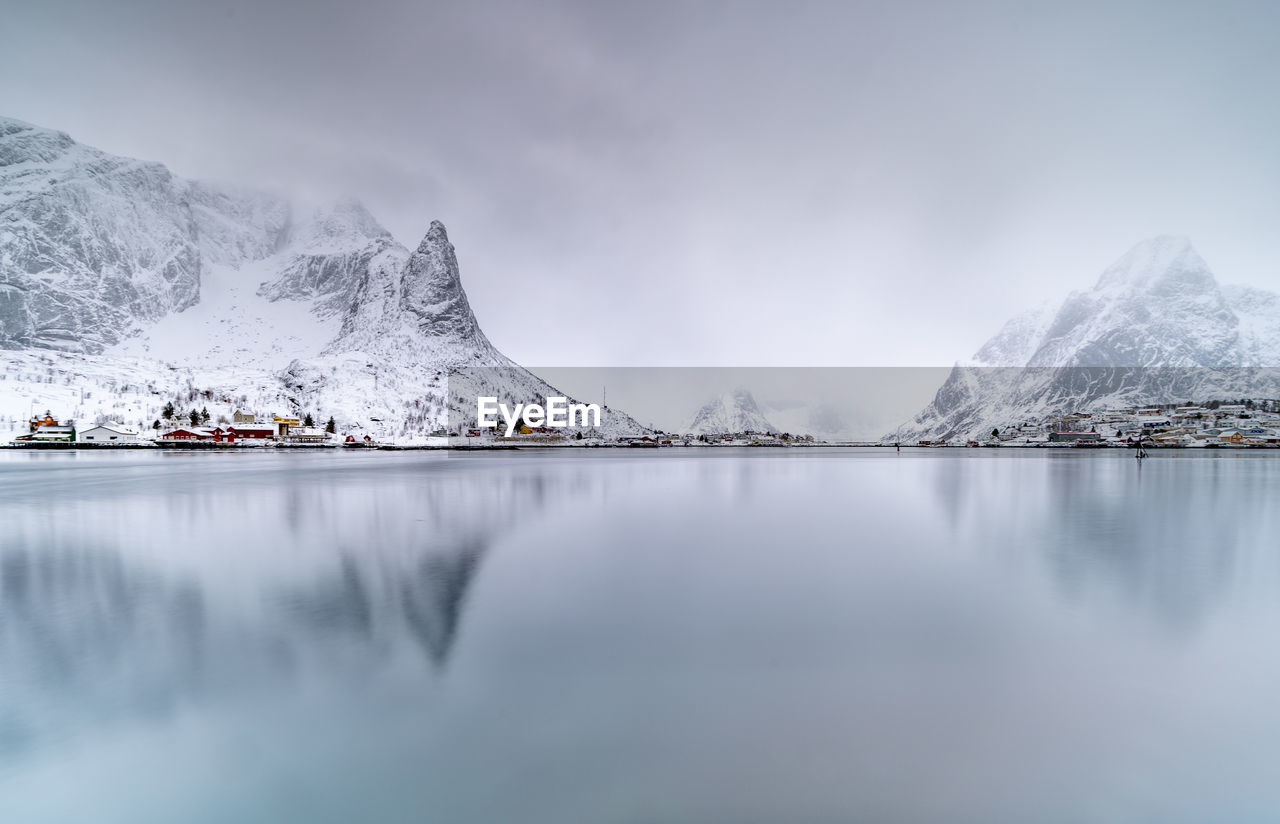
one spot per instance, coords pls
(735, 411)
(1157, 327)
(823, 420)
(138, 287)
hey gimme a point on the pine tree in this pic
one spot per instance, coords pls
(195, 418)
(307, 421)
(331, 427)
(168, 412)
(204, 415)
(156, 425)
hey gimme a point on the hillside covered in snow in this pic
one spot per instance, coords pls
(1157, 327)
(732, 412)
(124, 287)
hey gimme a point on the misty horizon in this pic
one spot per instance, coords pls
(680, 411)
(894, 183)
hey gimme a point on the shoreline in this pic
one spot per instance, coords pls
(525, 445)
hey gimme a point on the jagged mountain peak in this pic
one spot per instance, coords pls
(413, 303)
(437, 252)
(1156, 327)
(436, 233)
(431, 288)
(731, 412)
(1158, 305)
(1164, 263)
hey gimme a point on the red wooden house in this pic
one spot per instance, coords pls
(249, 432)
(194, 433)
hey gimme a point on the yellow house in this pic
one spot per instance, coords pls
(283, 422)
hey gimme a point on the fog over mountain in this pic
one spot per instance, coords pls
(865, 184)
(131, 286)
(120, 279)
(1157, 327)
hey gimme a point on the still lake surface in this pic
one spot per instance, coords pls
(609, 636)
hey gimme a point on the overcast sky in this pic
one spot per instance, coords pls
(708, 183)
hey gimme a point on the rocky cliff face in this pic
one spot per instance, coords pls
(415, 303)
(1157, 327)
(95, 248)
(325, 258)
(88, 242)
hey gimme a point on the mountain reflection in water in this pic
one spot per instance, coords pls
(601, 635)
(134, 585)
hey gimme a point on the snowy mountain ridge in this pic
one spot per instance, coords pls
(117, 269)
(732, 412)
(1157, 327)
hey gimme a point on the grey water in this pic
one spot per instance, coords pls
(639, 636)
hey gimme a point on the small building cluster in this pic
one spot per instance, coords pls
(1214, 424)
(247, 431)
(47, 429)
(274, 430)
(748, 438)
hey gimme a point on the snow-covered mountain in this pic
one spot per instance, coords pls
(125, 287)
(731, 412)
(1157, 327)
(92, 246)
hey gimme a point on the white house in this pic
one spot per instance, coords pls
(307, 434)
(107, 433)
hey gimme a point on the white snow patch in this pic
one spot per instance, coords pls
(232, 324)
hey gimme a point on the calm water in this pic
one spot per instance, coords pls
(755, 636)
